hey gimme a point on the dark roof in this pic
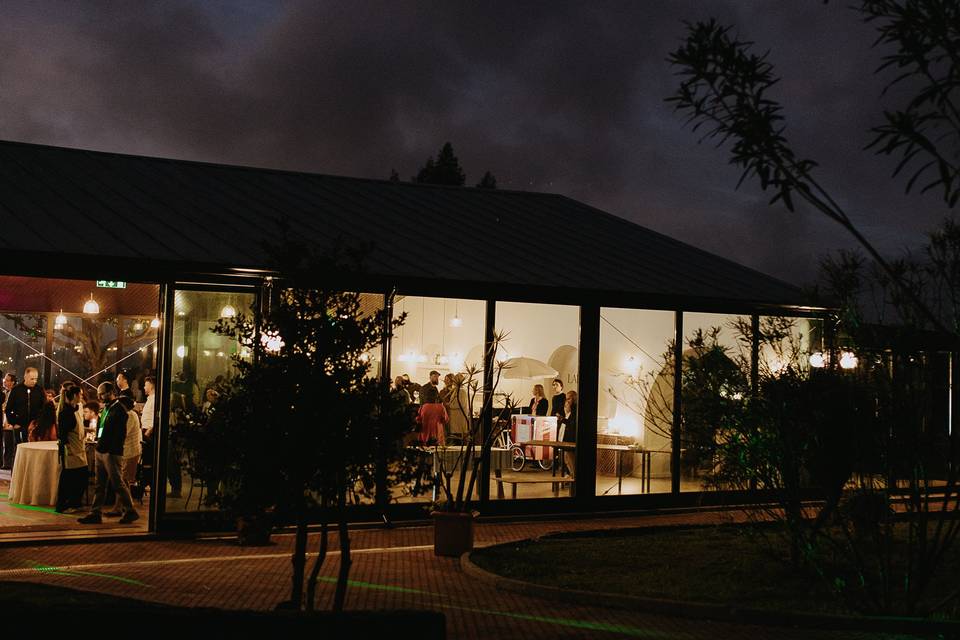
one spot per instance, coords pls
(83, 203)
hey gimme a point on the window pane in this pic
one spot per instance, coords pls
(201, 364)
(542, 343)
(716, 376)
(443, 335)
(635, 408)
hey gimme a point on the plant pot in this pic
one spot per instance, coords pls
(452, 532)
(253, 531)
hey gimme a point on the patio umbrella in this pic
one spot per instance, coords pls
(526, 368)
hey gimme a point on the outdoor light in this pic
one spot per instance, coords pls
(155, 323)
(271, 341)
(817, 361)
(60, 320)
(181, 351)
(228, 311)
(848, 360)
(91, 306)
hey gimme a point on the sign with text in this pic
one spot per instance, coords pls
(111, 284)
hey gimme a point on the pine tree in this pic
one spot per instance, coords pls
(487, 182)
(394, 176)
(445, 169)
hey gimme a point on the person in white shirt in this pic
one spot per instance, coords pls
(149, 407)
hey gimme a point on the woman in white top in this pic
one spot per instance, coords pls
(73, 468)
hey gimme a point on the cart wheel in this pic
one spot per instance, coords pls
(517, 459)
(546, 465)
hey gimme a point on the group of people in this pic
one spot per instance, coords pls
(112, 422)
(444, 412)
(562, 405)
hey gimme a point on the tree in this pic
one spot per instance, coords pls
(487, 182)
(303, 385)
(394, 176)
(444, 170)
(725, 91)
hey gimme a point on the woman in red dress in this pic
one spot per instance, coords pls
(432, 417)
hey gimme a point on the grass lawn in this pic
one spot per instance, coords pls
(707, 564)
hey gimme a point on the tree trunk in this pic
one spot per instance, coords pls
(345, 559)
(299, 561)
(320, 559)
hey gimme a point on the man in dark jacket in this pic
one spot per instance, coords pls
(24, 404)
(9, 435)
(109, 457)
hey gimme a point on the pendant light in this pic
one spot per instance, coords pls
(228, 311)
(155, 323)
(91, 306)
(456, 321)
(59, 321)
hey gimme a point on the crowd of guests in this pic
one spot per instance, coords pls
(112, 424)
(442, 414)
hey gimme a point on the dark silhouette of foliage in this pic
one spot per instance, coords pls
(487, 182)
(444, 170)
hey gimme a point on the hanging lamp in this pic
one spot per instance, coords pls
(91, 306)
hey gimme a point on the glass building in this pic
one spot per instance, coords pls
(597, 311)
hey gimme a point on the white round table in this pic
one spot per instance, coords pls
(36, 474)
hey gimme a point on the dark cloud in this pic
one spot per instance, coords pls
(563, 97)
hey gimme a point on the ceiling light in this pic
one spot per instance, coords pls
(155, 323)
(60, 320)
(91, 306)
(228, 311)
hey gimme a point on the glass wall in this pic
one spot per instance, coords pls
(635, 401)
(540, 381)
(444, 336)
(715, 377)
(201, 365)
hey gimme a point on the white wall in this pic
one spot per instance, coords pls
(427, 341)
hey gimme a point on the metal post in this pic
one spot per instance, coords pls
(677, 400)
(161, 431)
(383, 491)
(754, 354)
(486, 420)
(588, 400)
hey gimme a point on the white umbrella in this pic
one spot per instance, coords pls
(526, 368)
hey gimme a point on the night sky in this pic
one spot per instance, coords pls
(558, 97)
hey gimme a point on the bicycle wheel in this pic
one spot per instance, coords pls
(546, 465)
(517, 459)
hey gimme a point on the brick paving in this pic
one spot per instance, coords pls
(393, 568)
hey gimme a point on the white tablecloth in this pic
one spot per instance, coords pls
(36, 474)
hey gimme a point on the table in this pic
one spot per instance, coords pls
(618, 450)
(451, 460)
(36, 474)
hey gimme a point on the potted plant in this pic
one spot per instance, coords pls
(453, 514)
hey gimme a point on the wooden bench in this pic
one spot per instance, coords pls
(514, 482)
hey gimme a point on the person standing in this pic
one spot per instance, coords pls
(149, 407)
(9, 444)
(432, 417)
(538, 403)
(123, 386)
(558, 400)
(109, 458)
(132, 448)
(434, 383)
(73, 461)
(24, 404)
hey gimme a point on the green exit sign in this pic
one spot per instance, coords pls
(111, 284)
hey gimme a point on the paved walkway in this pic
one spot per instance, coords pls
(392, 568)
